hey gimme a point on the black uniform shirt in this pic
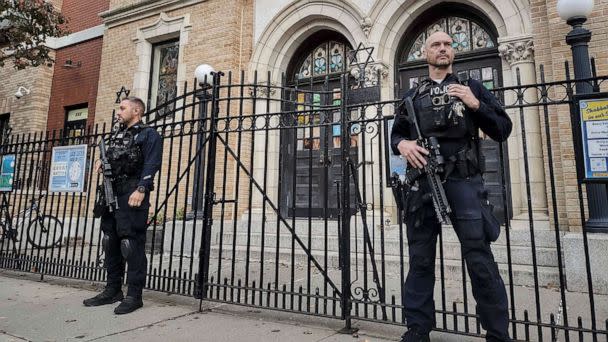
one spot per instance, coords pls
(151, 146)
(490, 117)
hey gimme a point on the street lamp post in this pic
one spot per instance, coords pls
(204, 77)
(575, 13)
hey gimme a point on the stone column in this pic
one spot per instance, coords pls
(267, 147)
(518, 52)
(374, 74)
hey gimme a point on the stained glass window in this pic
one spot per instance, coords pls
(305, 68)
(327, 58)
(481, 38)
(164, 77)
(309, 135)
(460, 32)
(336, 63)
(488, 76)
(320, 61)
(466, 35)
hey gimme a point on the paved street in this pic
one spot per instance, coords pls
(52, 310)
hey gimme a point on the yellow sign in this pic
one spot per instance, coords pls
(594, 135)
(78, 114)
(594, 109)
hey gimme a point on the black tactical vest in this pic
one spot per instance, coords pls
(124, 154)
(440, 115)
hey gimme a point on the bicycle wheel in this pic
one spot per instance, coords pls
(45, 232)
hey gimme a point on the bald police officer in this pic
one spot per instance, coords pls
(452, 112)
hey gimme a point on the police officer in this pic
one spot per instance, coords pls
(453, 112)
(134, 153)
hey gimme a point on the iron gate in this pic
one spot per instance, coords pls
(222, 228)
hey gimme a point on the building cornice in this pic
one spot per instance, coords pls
(143, 9)
(76, 37)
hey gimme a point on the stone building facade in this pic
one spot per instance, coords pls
(515, 36)
(278, 36)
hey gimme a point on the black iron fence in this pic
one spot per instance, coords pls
(278, 196)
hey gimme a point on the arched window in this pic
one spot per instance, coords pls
(467, 35)
(327, 58)
(313, 81)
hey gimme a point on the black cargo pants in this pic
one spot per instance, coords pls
(126, 223)
(422, 230)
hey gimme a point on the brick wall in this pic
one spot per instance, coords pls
(551, 51)
(74, 86)
(82, 15)
(550, 32)
(215, 39)
(28, 114)
(221, 35)
(124, 3)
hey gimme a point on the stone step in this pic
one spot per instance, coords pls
(176, 231)
(517, 237)
(520, 255)
(523, 275)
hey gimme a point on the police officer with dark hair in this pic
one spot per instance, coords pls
(134, 153)
(453, 111)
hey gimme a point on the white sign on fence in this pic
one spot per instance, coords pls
(68, 165)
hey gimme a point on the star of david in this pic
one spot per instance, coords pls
(122, 91)
(359, 59)
(361, 55)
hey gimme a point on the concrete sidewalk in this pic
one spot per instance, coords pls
(52, 310)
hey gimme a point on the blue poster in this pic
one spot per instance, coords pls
(68, 169)
(7, 173)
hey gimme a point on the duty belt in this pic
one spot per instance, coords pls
(465, 163)
(125, 185)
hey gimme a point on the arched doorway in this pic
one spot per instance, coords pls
(476, 46)
(310, 167)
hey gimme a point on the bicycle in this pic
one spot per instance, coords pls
(43, 231)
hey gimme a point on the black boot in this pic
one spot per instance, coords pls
(497, 339)
(128, 305)
(108, 296)
(412, 335)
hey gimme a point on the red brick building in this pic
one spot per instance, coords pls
(76, 75)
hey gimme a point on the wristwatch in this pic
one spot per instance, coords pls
(141, 189)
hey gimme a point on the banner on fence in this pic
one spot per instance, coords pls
(68, 169)
(593, 116)
(397, 165)
(7, 173)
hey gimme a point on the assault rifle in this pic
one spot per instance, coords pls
(111, 201)
(432, 169)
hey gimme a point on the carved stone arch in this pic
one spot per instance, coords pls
(305, 51)
(393, 18)
(471, 20)
(295, 23)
